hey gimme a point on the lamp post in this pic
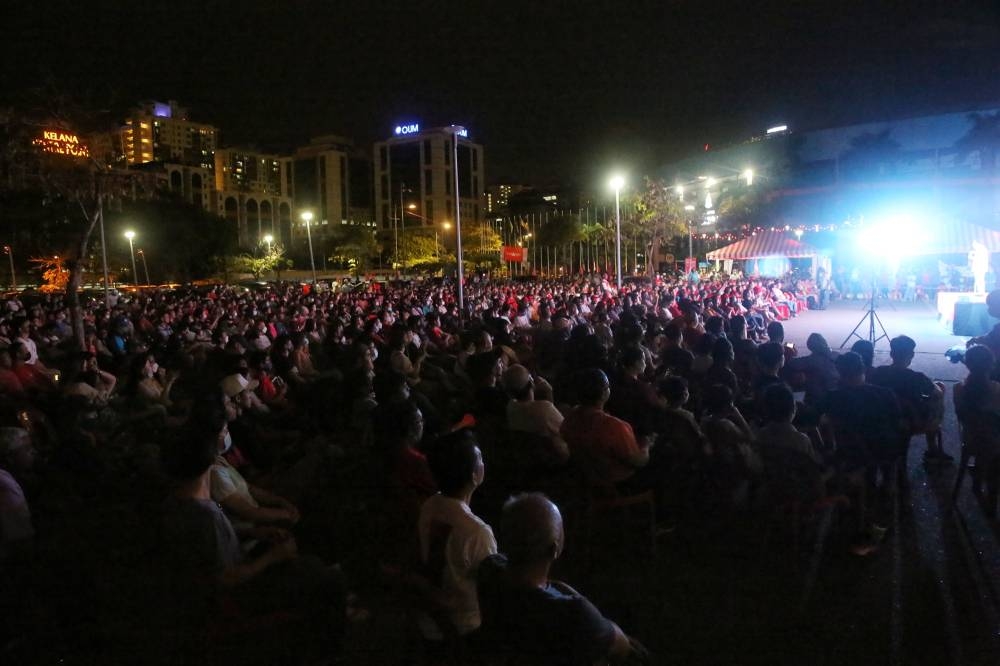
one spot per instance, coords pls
(437, 245)
(307, 217)
(617, 182)
(268, 238)
(145, 266)
(456, 132)
(10, 255)
(130, 235)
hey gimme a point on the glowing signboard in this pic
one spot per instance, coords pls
(463, 132)
(411, 128)
(59, 142)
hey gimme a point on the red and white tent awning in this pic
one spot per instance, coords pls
(764, 244)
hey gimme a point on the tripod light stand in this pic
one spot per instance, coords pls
(870, 320)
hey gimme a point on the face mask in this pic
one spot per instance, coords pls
(227, 442)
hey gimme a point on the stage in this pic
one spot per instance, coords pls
(946, 301)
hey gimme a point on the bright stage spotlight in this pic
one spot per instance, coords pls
(885, 243)
(892, 239)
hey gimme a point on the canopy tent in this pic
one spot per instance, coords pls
(764, 244)
(953, 237)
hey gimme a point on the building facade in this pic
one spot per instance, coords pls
(330, 178)
(414, 179)
(162, 133)
(252, 190)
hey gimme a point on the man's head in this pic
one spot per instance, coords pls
(531, 530)
(993, 303)
(776, 332)
(197, 448)
(979, 359)
(674, 390)
(901, 349)
(16, 451)
(456, 463)
(817, 344)
(593, 387)
(851, 368)
(633, 361)
(866, 350)
(484, 368)
(779, 404)
(771, 356)
(517, 382)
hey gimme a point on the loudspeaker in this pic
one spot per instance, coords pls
(972, 319)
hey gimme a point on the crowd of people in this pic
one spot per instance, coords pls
(225, 419)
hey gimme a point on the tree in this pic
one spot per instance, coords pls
(417, 247)
(661, 213)
(53, 272)
(353, 243)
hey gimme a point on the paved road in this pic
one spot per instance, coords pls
(938, 577)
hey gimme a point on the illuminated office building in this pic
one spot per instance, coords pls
(413, 174)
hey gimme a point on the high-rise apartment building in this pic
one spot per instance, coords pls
(253, 193)
(498, 196)
(414, 180)
(162, 133)
(158, 132)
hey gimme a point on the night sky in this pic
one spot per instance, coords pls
(557, 92)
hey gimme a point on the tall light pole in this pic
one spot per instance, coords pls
(307, 217)
(617, 182)
(456, 131)
(10, 255)
(690, 209)
(104, 255)
(268, 238)
(145, 266)
(130, 235)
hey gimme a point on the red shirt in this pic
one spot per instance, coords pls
(606, 441)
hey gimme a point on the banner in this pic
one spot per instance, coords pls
(513, 253)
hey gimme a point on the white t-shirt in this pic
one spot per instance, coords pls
(226, 480)
(469, 542)
(539, 417)
(31, 348)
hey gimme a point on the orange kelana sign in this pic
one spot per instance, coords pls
(59, 142)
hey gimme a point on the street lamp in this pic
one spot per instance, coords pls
(130, 235)
(748, 176)
(268, 238)
(437, 246)
(145, 266)
(307, 217)
(617, 182)
(10, 255)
